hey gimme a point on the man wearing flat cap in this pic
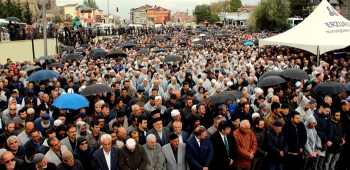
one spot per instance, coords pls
(68, 162)
(43, 123)
(40, 163)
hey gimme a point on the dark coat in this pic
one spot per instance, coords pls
(296, 137)
(132, 161)
(260, 138)
(275, 144)
(338, 136)
(18, 165)
(85, 157)
(324, 127)
(184, 136)
(50, 166)
(199, 157)
(221, 160)
(99, 161)
(77, 166)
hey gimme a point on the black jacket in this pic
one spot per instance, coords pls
(260, 138)
(221, 160)
(324, 127)
(338, 136)
(275, 143)
(295, 136)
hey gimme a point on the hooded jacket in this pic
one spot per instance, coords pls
(313, 142)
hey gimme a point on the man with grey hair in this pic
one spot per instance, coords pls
(154, 152)
(105, 157)
(132, 156)
(15, 148)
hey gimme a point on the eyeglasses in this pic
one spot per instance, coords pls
(84, 143)
(9, 161)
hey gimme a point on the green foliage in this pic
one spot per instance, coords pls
(214, 17)
(235, 4)
(11, 8)
(68, 18)
(270, 15)
(74, 21)
(296, 7)
(90, 3)
(27, 14)
(57, 19)
(202, 13)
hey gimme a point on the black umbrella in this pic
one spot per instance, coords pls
(85, 45)
(46, 57)
(151, 45)
(72, 57)
(100, 53)
(95, 89)
(97, 49)
(183, 43)
(116, 53)
(226, 35)
(271, 80)
(118, 44)
(270, 73)
(138, 47)
(13, 19)
(79, 50)
(168, 46)
(294, 73)
(201, 42)
(171, 58)
(31, 68)
(54, 65)
(222, 97)
(182, 49)
(182, 37)
(329, 88)
(168, 37)
(144, 51)
(68, 48)
(159, 50)
(160, 39)
(219, 36)
(129, 45)
(196, 45)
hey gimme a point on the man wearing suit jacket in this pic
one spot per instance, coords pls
(106, 158)
(224, 147)
(71, 140)
(175, 154)
(199, 150)
(177, 127)
(54, 155)
(161, 133)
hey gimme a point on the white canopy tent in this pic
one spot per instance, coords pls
(324, 30)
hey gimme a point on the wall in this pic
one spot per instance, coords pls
(22, 50)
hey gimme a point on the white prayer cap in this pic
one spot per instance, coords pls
(158, 98)
(130, 143)
(174, 113)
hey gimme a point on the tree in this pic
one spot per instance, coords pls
(270, 15)
(27, 14)
(68, 18)
(18, 10)
(220, 6)
(235, 4)
(214, 17)
(297, 6)
(57, 19)
(2, 6)
(90, 3)
(202, 13)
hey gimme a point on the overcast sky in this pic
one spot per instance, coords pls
(124, 6)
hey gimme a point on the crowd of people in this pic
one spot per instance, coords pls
(157, 115)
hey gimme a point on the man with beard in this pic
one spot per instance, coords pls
(304, 109)
(275, 114)
(115, 141)
(263, 110)
(70, 140)
(94, 137)
(296, 140)
(43, 123)
(161, 133)
(285, 113)
(84, 153)
(14, 147)
(9, 130)
(154, 153)
(259, 131)
(40, 163)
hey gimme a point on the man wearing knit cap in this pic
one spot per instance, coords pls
(176, 150)
(130, 154)
(277, 147)
(68, 162)
(40, 163)
(154, 152)
(175, 116)
(121, 118)
(107, 156)
(43, 123)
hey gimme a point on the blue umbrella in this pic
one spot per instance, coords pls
(71, 101)
(42, 75)
(248, 43)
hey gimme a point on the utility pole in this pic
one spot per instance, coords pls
(44, 27)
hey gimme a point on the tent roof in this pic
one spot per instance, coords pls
(324, 30)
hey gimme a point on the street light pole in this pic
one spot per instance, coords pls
(44, 27)
(108, 10)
